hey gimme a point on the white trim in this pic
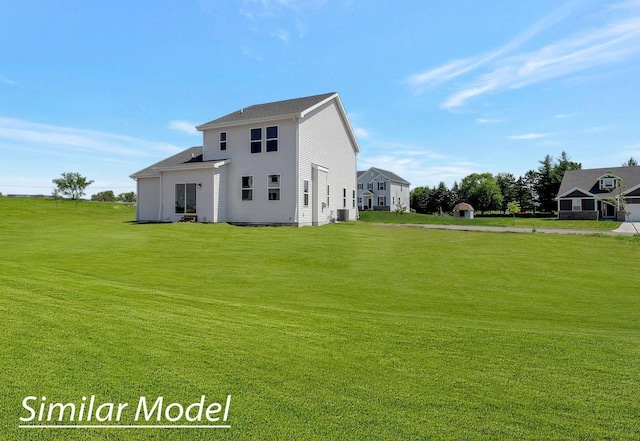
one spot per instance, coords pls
(586, 193)
(320, 168)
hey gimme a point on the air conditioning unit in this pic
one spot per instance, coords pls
(343, 215)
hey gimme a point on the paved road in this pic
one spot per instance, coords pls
(625, 229)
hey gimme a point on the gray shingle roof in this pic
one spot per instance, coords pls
(588, 179)
(188, 156)
(389, 175)
(270, 110)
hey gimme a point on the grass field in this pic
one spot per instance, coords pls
(348, 331)
(501, 221)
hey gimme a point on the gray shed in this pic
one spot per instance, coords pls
(463, 210)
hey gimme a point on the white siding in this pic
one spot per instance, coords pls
(259, 165)
(399, 195)
(204, 194)
(148, 202)
(324, 141)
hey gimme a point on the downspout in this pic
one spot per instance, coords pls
(160, 204)
(137, 199)
(296, 213)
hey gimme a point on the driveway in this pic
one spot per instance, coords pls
(627, 228)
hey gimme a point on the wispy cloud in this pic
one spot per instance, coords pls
(489, 120)
(184, 127)
(25, 134)
(6, 80)
(529, 136)
(562, 116)
(280, 19)
(504, 68)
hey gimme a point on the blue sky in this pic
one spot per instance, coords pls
(435, 90)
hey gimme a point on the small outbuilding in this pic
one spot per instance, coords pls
(463, 211)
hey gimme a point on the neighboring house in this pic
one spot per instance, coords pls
(582, 191)
(289, 162)
(463, 211)
(382, 190)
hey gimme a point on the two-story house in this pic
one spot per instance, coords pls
(289, 162)
(382, 190)
(595, 194)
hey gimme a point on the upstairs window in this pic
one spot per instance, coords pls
(256, 140)
(247, 188)
(272, 139)
(274, 187)
(360, 186)
(305, 188)
(607, 183)
(382, 185)
(223, 140)
(370, 186)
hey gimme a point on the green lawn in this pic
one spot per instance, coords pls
(348, 331)
(505, 221)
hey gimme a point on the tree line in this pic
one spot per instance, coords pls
(534, 191)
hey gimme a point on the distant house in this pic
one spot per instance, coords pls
(382, 190)
(289, 162)
(463, 211)
(582, 192)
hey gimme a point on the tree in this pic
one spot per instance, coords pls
(127, 197)
(104, 196)
(549, 178)
(630, 163)
(481, 191)
(72, 185)
(419, 199)
(513, 208)
(508, 188)
(619, 201)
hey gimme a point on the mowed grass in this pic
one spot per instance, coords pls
(502, 221)
(348, 331)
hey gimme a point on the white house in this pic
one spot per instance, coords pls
(289, 162)
(382, 190)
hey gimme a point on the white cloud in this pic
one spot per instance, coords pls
(183, 126)
(503, 69)
(562, 116)
(529, 136)
(25, 134)
(6, 80)
(489, 120)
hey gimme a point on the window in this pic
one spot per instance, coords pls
(577, 204)
(370, 186)
(607, 183)
(328, 192)
(185, 198)
(360, 186)
(247, 188)
(382, 185)
(565, 204)
(223, 140)
(353, 196)
(382, 201)
(256, 140)
(272, 139)
(274, 187)
(305, 187)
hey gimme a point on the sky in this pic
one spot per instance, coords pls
(434, 90)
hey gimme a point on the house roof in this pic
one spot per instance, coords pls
(192, 155)
(295, 106)
(587, 180)
(387, 174)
